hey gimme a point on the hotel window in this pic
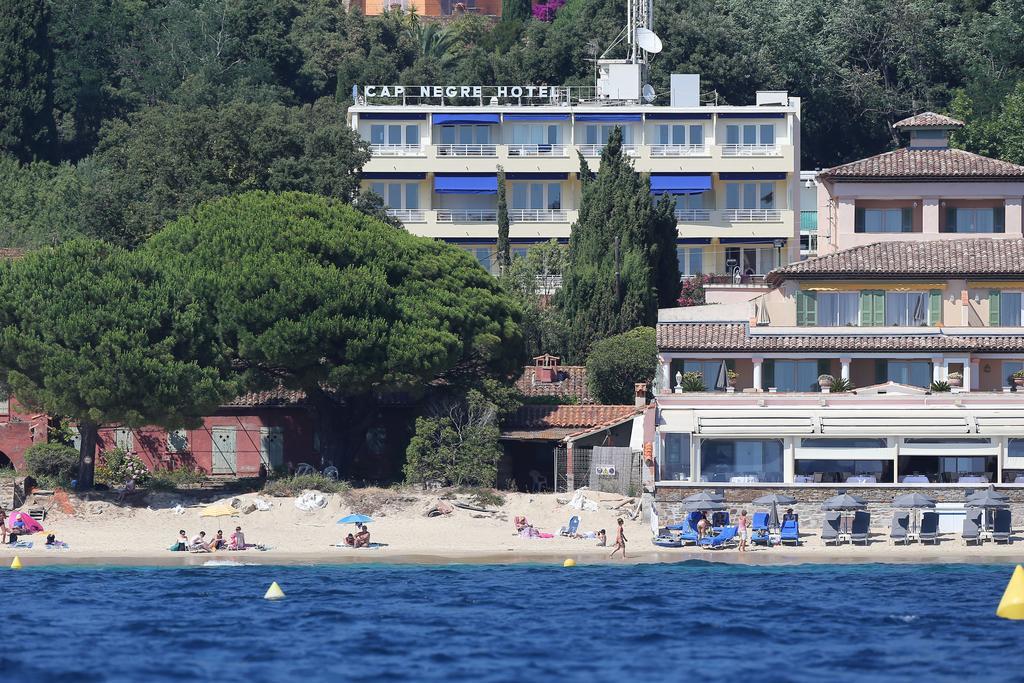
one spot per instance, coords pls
(675, 462)
(679, 134)
(519, 252)
(747, 460)
(988, 220)
(916, 373)
(711, 372)
(391, 134)
(906, 309)
(750, 195)
(597, 134)
(537, 196)
(124, 439)
(792, 375)
(1008, 308)
(750, 134)
(691, 260)
(483, 256)
(465, 135)
(536, 134)
(177, 441)
(749, 260)
(398, 195)
(884, 220)
(689, 201)
(838, 309)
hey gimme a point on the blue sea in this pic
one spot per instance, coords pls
(691, 621)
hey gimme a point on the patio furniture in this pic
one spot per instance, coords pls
(727, 535)
(861, 479)
(1002, 528)
(972, 527)
(790, 533)
(929, 532)
(972, 479)
(574, 525)
(900, 528)
(914, 479)
(830, 528)
(861, 524)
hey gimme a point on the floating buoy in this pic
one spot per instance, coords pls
(569, 563)
(1012, 604)
(274, 592)
(16, 564)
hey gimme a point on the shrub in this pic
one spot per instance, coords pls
(615, 364)
(482, 497)
(1019, 374)
(939, 387)
(172, 480)
(119, 466)
(294, 486)
(52, 462)
(692, 381)
(840, 385)
(691, 291)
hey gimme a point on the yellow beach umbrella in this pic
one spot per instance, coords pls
(218, 510)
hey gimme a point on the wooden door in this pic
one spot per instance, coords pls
(225, 457)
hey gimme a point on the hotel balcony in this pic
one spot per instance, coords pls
(558, 151)
(661, 151)
(595, 150)
(408, 215)
(466, 216)
(398, 151)
(751, 151)
(538, 224)
(693, 215)
(479, 151)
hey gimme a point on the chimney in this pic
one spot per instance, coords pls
(545, 368)
(640, 394)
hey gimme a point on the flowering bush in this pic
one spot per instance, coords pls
(119, 466)
(691, 292)
(546, 11)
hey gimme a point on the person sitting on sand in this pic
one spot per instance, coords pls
(182, 543)
(521, 524)
(602, 538)
(237, 540)
(219, 542)
(362, 539)
(199, 544)
(350, 540)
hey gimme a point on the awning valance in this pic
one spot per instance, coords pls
(609, 118)
(465, 183)
(677, 116)
(390, 116)
(752, 176)
(394, 175)
(680, 184)
(441, 119)
(537, 117)
(537, 176)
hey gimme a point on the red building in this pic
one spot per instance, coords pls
(19, 429)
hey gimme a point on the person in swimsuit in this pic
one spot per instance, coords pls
(219, 542)
(602, 538)
(3, 525)
(620, 540)
(742, 528)
(702, 525)
(362, 539)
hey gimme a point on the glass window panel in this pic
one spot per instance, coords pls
(447, 135)
(732, 196)
(676, 456)
(412, 196)
(696, 261)
(412, 135)
(519, 194)
(696, 135)
(906, 308)
(465, 135)
(553, 134)
(1009, 309)
(749, 261)
(537, 135)
(395, 195)
(483, 257)
(732, 135)
(732, 258)
(796, 375)
(395, 134)
(1010, 367)
(483, 135)
(379, 189)
(536, 196)
(519, 135)
(554, 196)
(722, 459)
(750, 134)
(377, 134)
(679, 135)
(750, 195)
(843, 443)
(766, 259)
(916, 373)
(767, 195)
(663, 134)
(768, 134)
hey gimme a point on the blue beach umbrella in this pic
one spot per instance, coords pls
(355, 519)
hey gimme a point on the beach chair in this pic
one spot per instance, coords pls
(666, 539)
(972, 528)
(727, 535)
(861, 524)
(790, 533)
(574, 525)
(830, 528)
(900, 528)
(1001, 528)
(929, 532)
(688, 533)
(760, 522)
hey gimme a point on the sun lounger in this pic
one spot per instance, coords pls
(829, 528)
(929, 532)
(861, 524)
(900, 528)
(972, 527)
(790, 533)
(760, 522)
(667, 540)
(1002, 527)
(728, 535)
(574, 525)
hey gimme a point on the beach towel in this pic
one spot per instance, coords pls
(22, 544)
(372, 546)
(59, 545)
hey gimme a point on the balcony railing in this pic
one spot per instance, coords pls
(467, 150)
(538, 151)
(750, 151)
(408, 215)
(397, 151)
(537, 215)
(693, 215)
(753, 215)
(678, 150)
(595, 150)
(467, 216)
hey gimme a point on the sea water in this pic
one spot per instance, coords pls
(691, 621)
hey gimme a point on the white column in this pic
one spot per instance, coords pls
(757, 373)
(1014, 217)
(968, 374)
(945, 369)
(844, 368)
(938, 369)
(930, 216)
(975, 383)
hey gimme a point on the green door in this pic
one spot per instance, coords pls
(225, 457)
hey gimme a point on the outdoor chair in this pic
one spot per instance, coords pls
(830, 528)
(929, 532)
(760, 522)
(1002, 527)
(304, 468)
(689, 533)
(861, 524)
(331, 473)
(728, 535)
(574, 525)
(900, 528)
(790, 533)
(972, 528)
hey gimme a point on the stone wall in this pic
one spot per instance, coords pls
(669, 506)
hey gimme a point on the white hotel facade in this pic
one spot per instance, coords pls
(734, 170)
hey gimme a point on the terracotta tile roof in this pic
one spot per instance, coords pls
(909, 163)
(928, 119)
(981, 256)
(572, 381)
(274, 397)
(574, 417)
(736, 337)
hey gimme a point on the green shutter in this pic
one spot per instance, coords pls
(858, 220)
(806, 308)
(879, 308)
(872, 308)
(767, 373)
(881, 371)
(935, 307)
(993, 307)
(907, 220)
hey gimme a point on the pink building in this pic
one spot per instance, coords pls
(926, 190)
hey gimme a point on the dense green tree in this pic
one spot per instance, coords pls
(515, 10)
(314, 294)
(39, 203)
(163, 161)
(99, 334)
(531, 281)
(27, 128)
(617, 363)
(504, 252)
(663, 247)
(999, 135)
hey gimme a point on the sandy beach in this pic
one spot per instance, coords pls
(101, 532)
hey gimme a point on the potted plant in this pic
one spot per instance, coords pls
(1018, 378)
(825, 381)
(730, 377)
(840, 385)
(955, 379)
(939, 387)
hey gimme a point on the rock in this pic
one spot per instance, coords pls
(249, 508)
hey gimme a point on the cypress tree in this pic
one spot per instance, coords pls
(504, 255)
(663, 245)
(515, 10)
(27, 128)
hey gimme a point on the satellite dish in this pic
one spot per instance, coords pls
(648, 92)
(648, 40)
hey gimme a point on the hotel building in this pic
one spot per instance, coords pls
(734, 170)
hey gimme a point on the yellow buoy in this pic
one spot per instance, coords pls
(569, 563)
(16, 564)
(274, 592)
(1012, 604)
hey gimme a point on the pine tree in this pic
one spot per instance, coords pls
(27, 128)
(504, 253)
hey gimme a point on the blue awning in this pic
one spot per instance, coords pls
(752, 176)
(680, 184)
(678, 116)
(536, 176)
(466, 183)
(537, 117)
(609, 118)
(440, 119)
(390, 116)
(394, 175)
(759, 115)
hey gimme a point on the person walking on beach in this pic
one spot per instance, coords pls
(3, 524)
(620, 541)
(743, 528)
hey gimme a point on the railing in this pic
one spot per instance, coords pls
(463, 216)
(753, 215)
(750, 150)
(595, 150)
(678, 150)
(408, 215)
(751, 280)
(397, 151)
(693, 215)
(538, 151)
(537, 216)
(467, 150)
(548, 284)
